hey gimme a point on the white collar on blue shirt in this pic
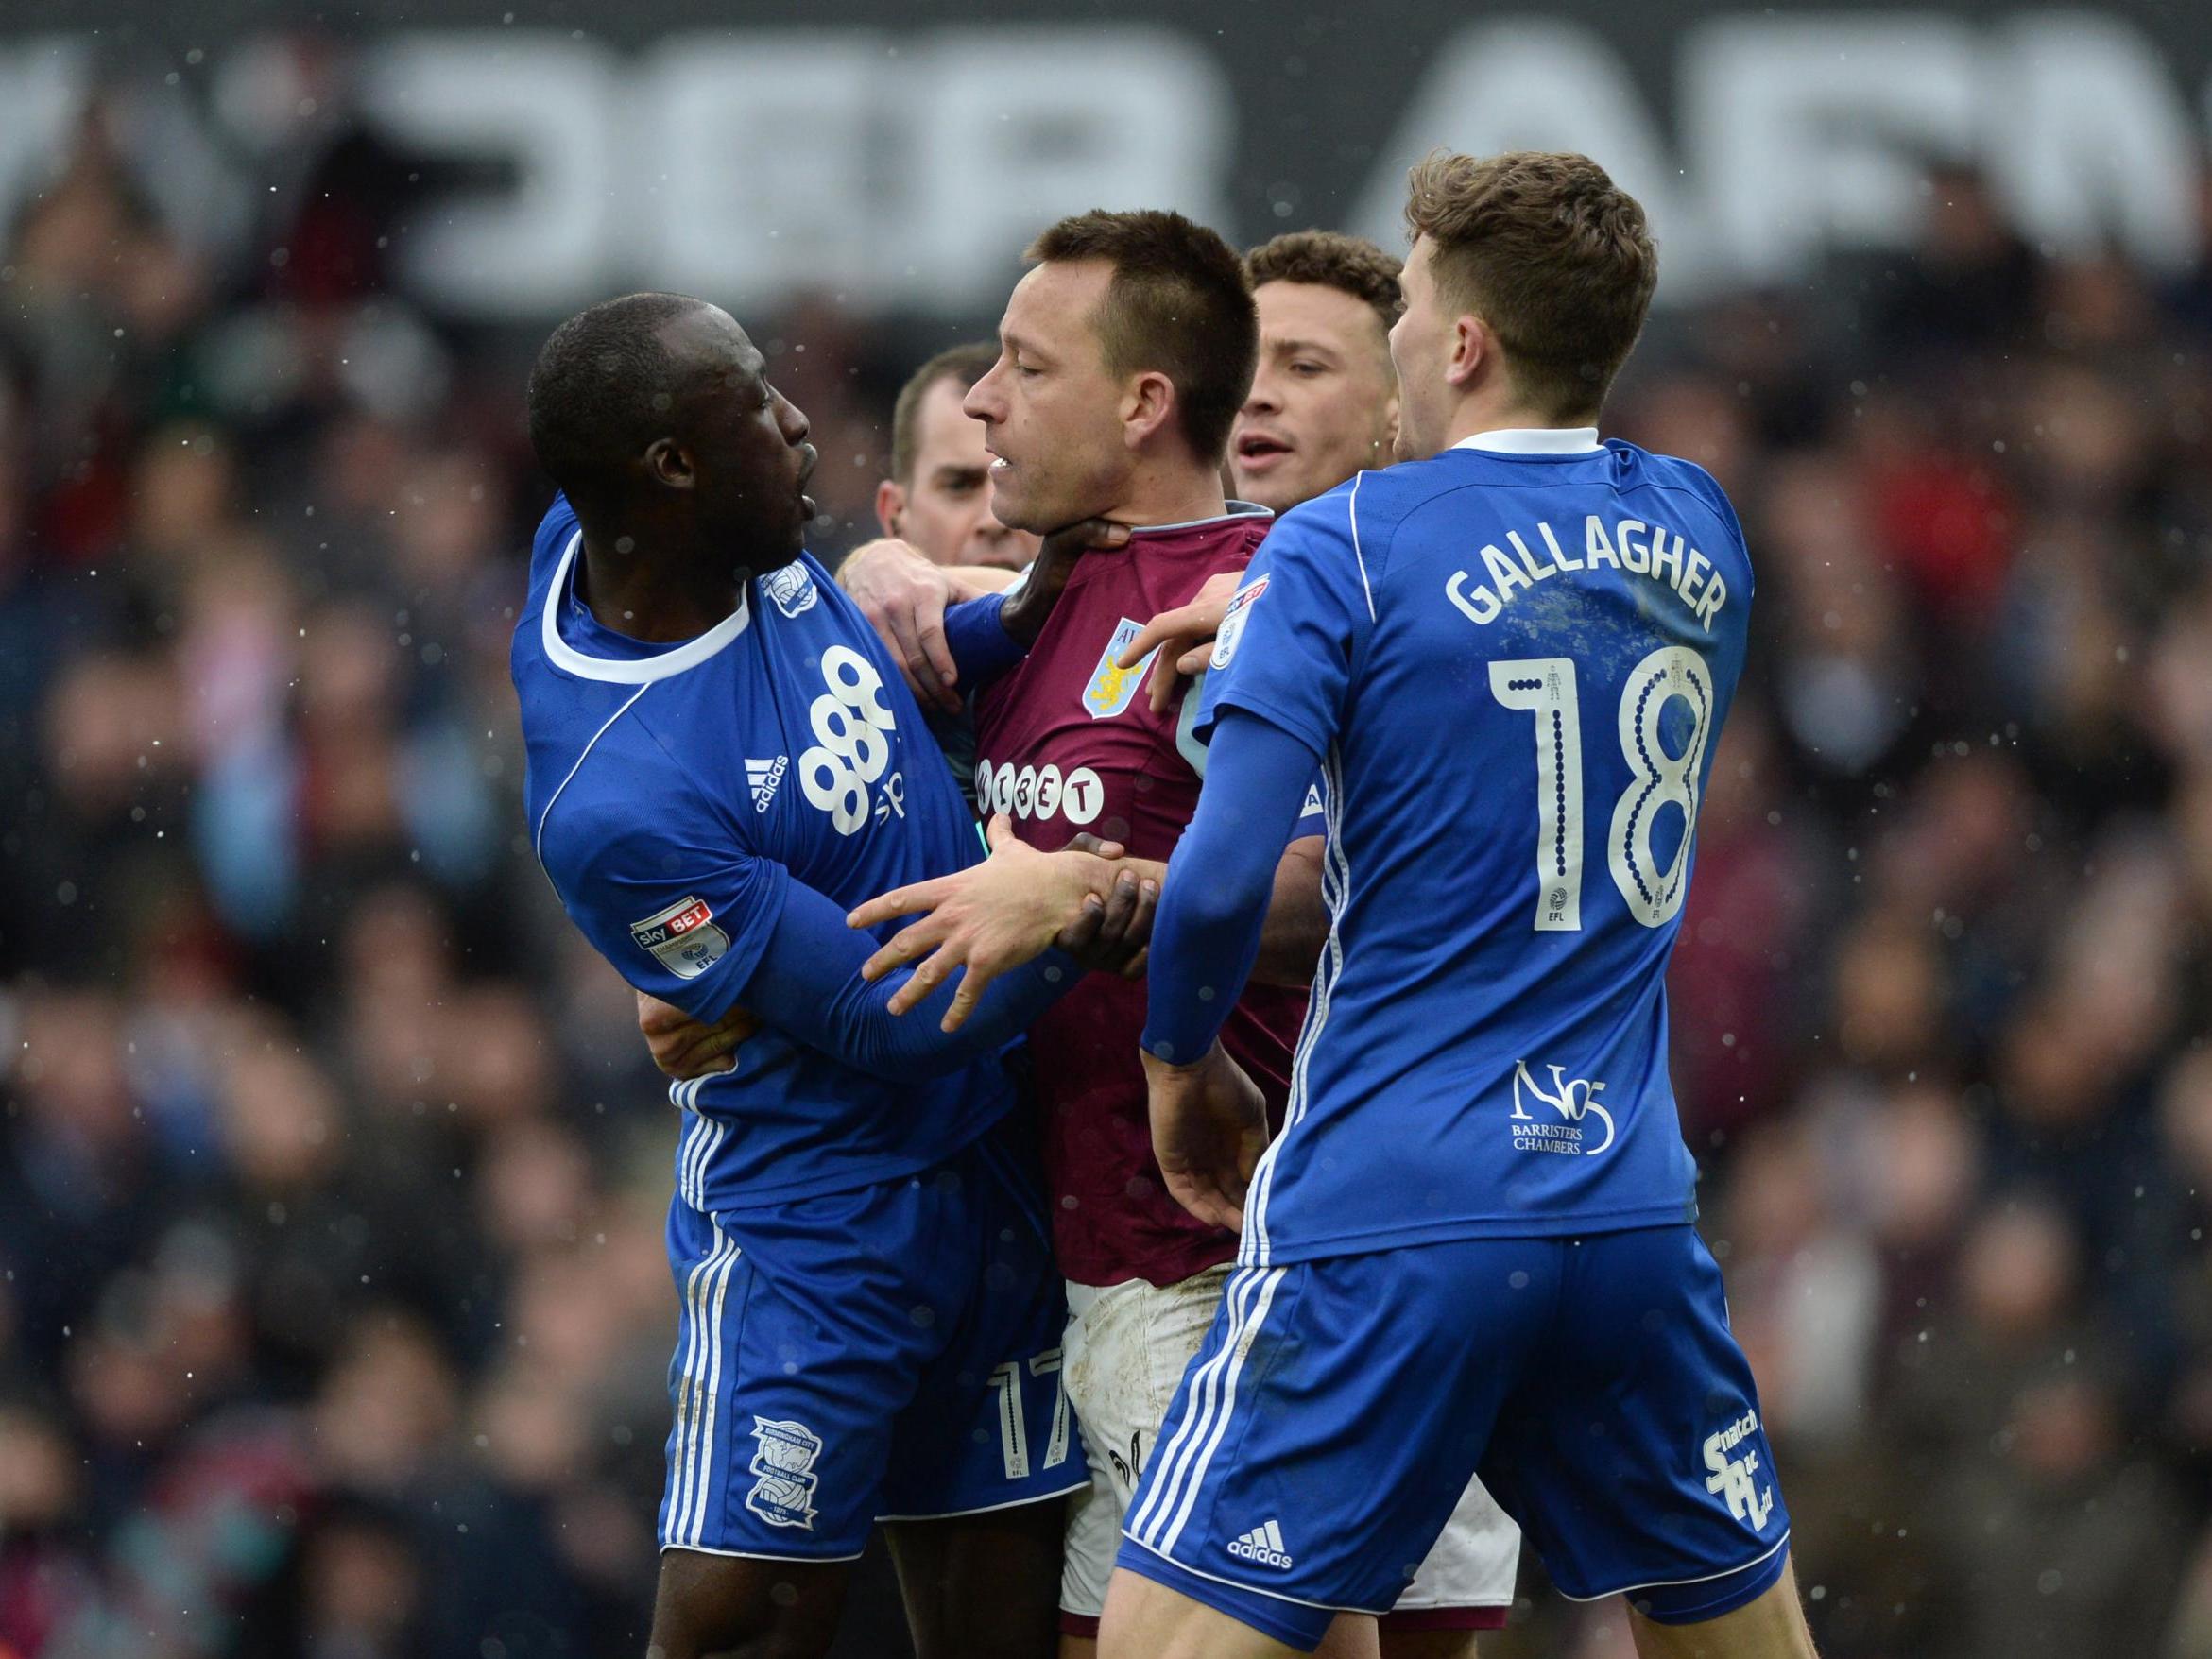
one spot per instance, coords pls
(1535, 440)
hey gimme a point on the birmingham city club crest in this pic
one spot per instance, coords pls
(783, 1467)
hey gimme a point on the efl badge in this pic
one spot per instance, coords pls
(684, 937)
(1112, 688)
(1232, 622)
(791, 587)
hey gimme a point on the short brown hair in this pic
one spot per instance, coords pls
(967, 364)
(1330, 259)
(1178, 303)
(1549, 253)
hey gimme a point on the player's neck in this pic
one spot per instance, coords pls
(659, 600)
(1168, 492)
(1493, 411)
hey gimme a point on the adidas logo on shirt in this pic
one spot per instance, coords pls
(1263, 1544)
(763, 777)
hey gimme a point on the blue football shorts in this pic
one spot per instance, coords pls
(1323, 1432)
(889, 1353)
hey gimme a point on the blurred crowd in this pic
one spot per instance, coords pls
(334, 1308)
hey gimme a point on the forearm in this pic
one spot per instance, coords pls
(1297, 920)
(808, 985)
(1212, 917)
(982, 644)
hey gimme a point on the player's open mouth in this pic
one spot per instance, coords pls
(1258, 451)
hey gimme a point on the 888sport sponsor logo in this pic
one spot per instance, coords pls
(1038, 792)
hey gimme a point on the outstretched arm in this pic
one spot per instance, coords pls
(1209, 1121)
(1214, 904)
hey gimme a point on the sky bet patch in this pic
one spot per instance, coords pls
(683, 936)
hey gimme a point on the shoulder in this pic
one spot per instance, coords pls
(624, 801)
(1671, 473)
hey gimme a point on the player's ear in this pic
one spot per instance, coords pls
(1473, 346)
(890, 503)
(1148, 405)
(1390, 428)
(668, 462)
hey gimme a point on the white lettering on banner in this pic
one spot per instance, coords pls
(1056, 120)
(927, 157)
(536, 100)
(1800, 133)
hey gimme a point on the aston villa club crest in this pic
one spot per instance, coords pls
(1113, 688)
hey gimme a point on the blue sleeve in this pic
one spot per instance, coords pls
(1207, 933)
(1290, 634)
(1190, 739)
(665, 893)
(689, 918)
(982, 649)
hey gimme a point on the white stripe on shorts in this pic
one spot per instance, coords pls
(685, 1469)
(1269, 1281)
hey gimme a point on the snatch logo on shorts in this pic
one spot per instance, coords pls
(784, 1464)
(683, 936)
(1233, 620)
(1735, 1478)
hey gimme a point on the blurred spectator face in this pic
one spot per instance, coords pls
(1963, 224)
(348, 679)
(281, 1123)
(2180, 690)
(70, 1072)
(362, 1584)
(2017, 1275)
(2185, 1111)
(2063, 1431)
(447, 522)
(946, 509)
(1776, 1204)
(1889, 995)
(1049, 407)
(566, 1315)
(2094, 439)
(1929, 1164)
(497, 1057)
(112, 723)
(1324, 400)
(38, 1474)
(534, 1430)
(2097, 305)
(1962, 837)
(182, 491)
(536, 1187)
(386, 1406)
(1696, 417)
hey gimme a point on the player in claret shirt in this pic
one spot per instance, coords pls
(721, 761)
(1125, 355)
(1471, 1246)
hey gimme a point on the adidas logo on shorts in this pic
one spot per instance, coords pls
(1264, 1544)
